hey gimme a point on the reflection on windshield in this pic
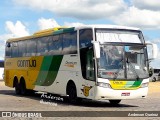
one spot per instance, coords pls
(111, 57)
(121, 62)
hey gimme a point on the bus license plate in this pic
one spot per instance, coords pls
(125, 94)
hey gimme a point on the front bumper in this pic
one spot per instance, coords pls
(111, 94)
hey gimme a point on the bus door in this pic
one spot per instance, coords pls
(87, 63)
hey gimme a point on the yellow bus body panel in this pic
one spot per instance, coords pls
(22, 68)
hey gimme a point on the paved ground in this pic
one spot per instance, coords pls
(11, 102)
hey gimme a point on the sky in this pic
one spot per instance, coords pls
(24, 17)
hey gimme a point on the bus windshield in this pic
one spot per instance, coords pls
(122, 62)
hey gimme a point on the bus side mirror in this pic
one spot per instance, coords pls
(154, 50)
(96, 48)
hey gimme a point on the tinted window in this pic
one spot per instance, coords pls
(31, 48)
(14, 49)
(8, 50)
(85, 37)
(22, 48)
(86, 53)
(42, 45)
(55, 45)
(70, 43)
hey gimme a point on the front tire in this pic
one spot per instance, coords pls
(72, 94)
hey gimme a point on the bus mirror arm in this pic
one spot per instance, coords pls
(96, 46)
(154, 51)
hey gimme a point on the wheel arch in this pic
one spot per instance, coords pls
(22, 80)
(70, 82)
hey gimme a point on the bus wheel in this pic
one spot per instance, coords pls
(114, 102)
(17, 88)
(154, 79)
(23, 87)
(72, 93)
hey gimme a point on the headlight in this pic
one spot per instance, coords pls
(101, 84)
(143, 85)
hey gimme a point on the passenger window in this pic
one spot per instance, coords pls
(22, 48)
(55, 45)
(70, 43)
(31, 48)
(86, 36)
(42, 45)
(14, 49)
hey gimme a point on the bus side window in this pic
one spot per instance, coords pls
(85, 37)
(22, 48)
(70, 43)
(42, 45)
(31, 48)
(8, 50)
(55, 45)
(73, 43)
(14, 49)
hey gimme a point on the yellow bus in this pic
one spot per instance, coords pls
(98, 62)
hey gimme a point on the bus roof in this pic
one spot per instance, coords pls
(107, 26)
(59, 30)
(47, 32)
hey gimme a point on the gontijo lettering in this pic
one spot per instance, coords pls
(26, 63)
